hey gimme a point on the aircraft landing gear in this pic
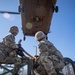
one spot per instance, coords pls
(21, 8)
(55, 9)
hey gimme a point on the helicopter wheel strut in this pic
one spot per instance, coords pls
(55, 9)
(21, 9)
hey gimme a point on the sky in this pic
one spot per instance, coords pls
(62, 27)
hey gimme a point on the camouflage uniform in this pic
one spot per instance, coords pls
(8, 52)
(50, 58)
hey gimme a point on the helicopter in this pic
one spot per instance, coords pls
(36, 15)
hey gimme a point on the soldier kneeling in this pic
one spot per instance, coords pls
(50, 61)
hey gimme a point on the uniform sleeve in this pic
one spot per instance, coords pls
(9, 41)
(43, 47)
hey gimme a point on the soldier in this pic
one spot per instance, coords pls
(8, 49)
(50, 59)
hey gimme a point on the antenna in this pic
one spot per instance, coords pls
(35, 50)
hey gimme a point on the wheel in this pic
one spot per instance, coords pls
(20, 9)
(56, 9)
(70, 61)
(24, 38)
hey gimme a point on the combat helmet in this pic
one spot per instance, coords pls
(39, 36)
(14, 30)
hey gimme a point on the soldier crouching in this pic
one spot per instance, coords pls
(50, 61)
(8, 49)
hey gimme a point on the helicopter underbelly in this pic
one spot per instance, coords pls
(36, 15)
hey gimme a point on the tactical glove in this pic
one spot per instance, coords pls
(35, 65)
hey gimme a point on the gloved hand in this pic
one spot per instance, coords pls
(35, 65)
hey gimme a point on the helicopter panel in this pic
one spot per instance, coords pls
(36, 15)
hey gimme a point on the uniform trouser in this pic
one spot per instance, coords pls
(48, 65)
(16, 61)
